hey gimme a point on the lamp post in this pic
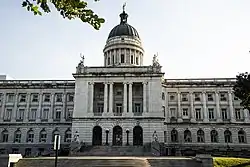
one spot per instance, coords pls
(107, 136)
(56, 147)
(127, 131)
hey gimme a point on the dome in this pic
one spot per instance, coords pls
(123, 28)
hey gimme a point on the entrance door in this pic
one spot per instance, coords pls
(97, 136)
(117, 136)
(137, 136)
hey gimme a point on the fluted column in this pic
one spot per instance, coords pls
(91, 96)
(218, 107)
(145, 97)
(105, 110)
(231, 107)
(13, 119)
(179, 115)
(26, 113)
(111, 98)
(3, 106)
(64, 100)
(130, 103)
(246, 115)
(193, 119)
(125, 102)
(51, 113)
(204, 101)
(39, 110)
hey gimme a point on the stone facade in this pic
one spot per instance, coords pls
(123, 103)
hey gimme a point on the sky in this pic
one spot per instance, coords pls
(193, 39)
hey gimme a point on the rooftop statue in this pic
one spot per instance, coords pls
(155, 62)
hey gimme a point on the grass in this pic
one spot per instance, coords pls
(231, 162)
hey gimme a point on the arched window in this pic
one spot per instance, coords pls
(55, 132)
(67, 136)
(108, 60)
(163, 96)
(132, 59)
(228, 136)
(174, 135)
(242, 136)
(187, 136)
(5, 136)
(43, 136)
(17, 136)
(200, 136)
(30, 136)
(214, 136)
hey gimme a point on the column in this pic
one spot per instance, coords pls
(91, 96)
(193, 119)
(111, 99)
(246, 115)
(64, 111)
(218, 107)
(231, 107)
(51, 114)
(130, 103)
(39, 110)
(105, 110)
(145, 97)
(166, 107)
(3, 107)
(204, 101)
(125, 101)
(179, 115)
(13, 119)
(125, 54)
(26, 114)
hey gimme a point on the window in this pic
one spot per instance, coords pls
(187, 136)
(211, 114)
(1, 97)
(163, 96)
(17, 136)
(163, 110)
(70, 98)
(34, 98)
(20, 114)
(59, 97)
(119, 92)
(214, 136)
(100, 107)
(55, 132)
(172, 97)
(173, 112)
(67, 137)
(46, 97)
(43, 136)
(27, 152)
(108, 60)
(210, 97)
(185, 112)
(223, 97)
(137, 109)
(30, 136)
(198, 113)
(58, 114)
(224, 114)
(137, 61)
(113, 59)
(200, 136)
(118, 111)
(15, 151)
(174, 136)
(32, 114)
(228, 136)
(45, 113)
(165, 136)
(5, 136)
(132, 59)
(184, 97)
(122, 58)
(8, 114)
(22, 98)
(197, 97)
(69, 113)
(242, 136)
(238, 114)
(10, 98)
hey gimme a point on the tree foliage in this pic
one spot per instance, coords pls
(70, 9)
(242, 89)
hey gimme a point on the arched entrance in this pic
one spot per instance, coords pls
(97, 136)
(137, 136)
(117, 136)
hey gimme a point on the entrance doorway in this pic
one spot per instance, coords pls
(117, 136)
(97, 136)
(137, 136)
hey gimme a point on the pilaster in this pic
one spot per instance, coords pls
(13, 119)
(130, 113)
(204, 101)
(179, 115)
(111, 99)
(193, 119)
(218, 115)
(39, 110)
(231, 107)
(26, 113)
(3, 107)
(125, 102)
(51, 112)
(105, 110)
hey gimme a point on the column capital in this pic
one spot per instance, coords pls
(125, 83)
(130, 83)
(105, 83)
(191, 92)
(111, 83)
(204, 92)
(91, 83)
(230, 91)
(144, 82)
(217, 92)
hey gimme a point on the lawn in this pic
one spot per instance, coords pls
(231, 162)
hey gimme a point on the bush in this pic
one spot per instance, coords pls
(231, 162)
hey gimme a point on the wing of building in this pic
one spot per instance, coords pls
(124, 104)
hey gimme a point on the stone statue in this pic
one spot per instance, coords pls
(123, 7)
(155, 61)
(76, 137)
(155, 136)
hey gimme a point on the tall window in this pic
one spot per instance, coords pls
(32, 114)
(187, 136)
(200, 136)
(118, 111)
(8, 114)
(137, 60)
(132, 59)
(10, 98)
(67, 137)
(224, 114)
(242, 136)
(17, 136)
(185, 112)
(58, 113)
(214, 136)
(198, 113)
(228, 136)
(45, 113)
(43, 136)
(5, 136)
(70, 97)
(122, 58)
(211, 114)
(173, 112)
(174, 136)
(69, 113)
(238, 114)
(20, 114)
(30, 136)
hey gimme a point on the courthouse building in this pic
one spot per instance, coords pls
(123, 103)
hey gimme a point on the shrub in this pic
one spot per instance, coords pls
(231, 162)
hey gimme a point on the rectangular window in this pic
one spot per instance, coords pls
(211, 114)
(172, 97)
(184, 97)
(10, 98)
(5, 137)
(22, 98)
(70, 97)
(20, 114)
(132, 59)
(69, 113)
(173, 112)
(45, 113)
(100, 107)
(238, 114)
(198, 113)
(34, 98)
(59, 97)
(185, 112)
(197, 97)
(118, 110)
(1, 97)
(137, 61)
(46, 97)
(163, 110)
(223, 97)
(165, 136)
(32, 114)
(224, 113)
(58, 114)
(8, 114)
(122, 58)
(210, 97)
